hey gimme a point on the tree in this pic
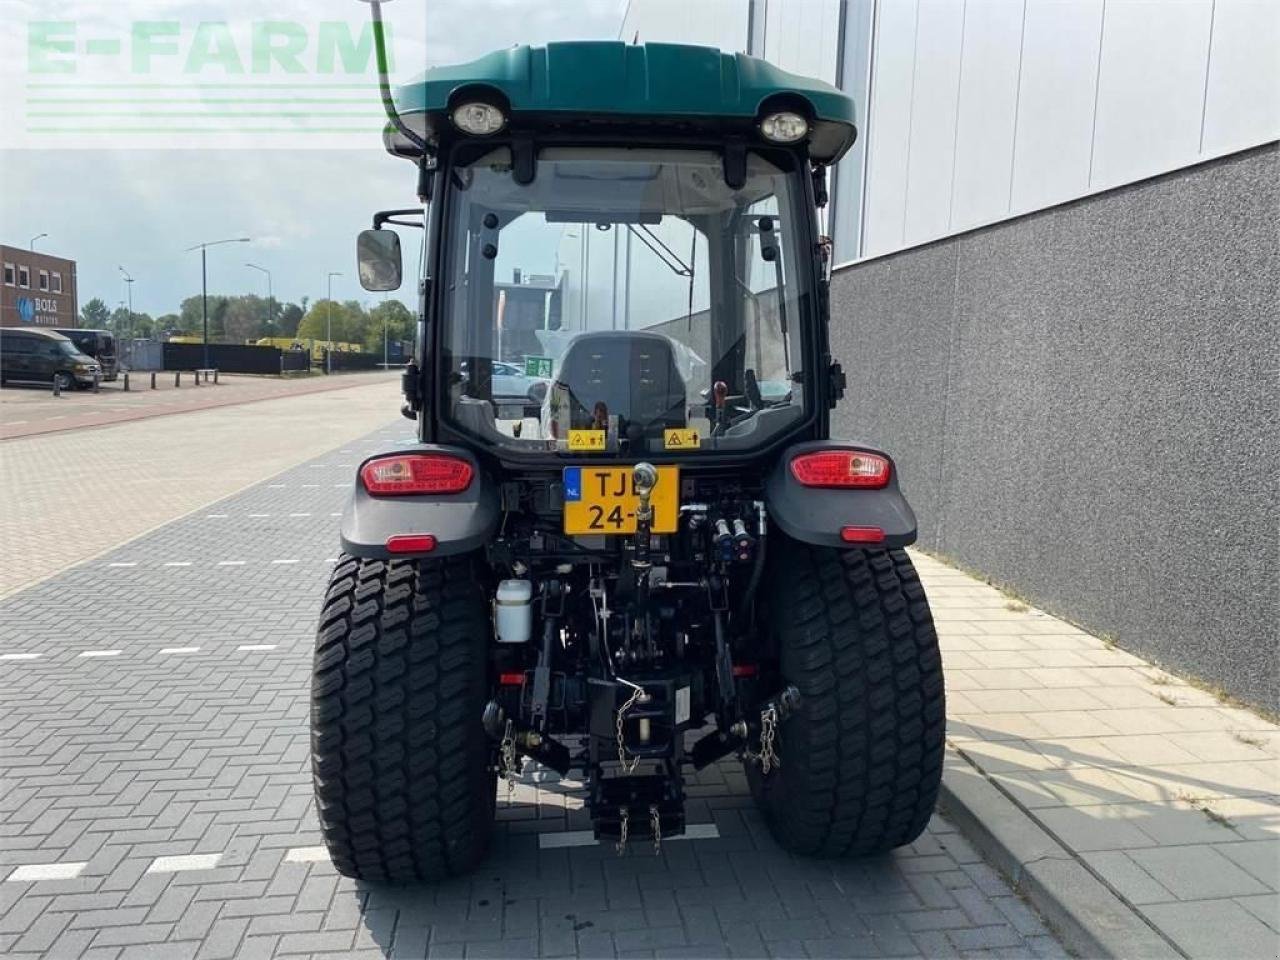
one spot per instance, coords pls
(290, 316)
(95, 315)
(349, 322)
(399, 323)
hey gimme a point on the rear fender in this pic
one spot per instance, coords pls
(460, 522)
(816, 515)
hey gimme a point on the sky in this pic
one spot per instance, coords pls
(126, 139)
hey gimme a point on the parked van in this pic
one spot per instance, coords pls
(99, 344)
(29, 355)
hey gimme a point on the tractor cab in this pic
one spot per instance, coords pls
(634, 227)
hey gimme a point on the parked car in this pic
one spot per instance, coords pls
(99, 344)
(42, 356)
(510, 382)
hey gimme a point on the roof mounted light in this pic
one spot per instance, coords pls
(478, 119)
(784, 126)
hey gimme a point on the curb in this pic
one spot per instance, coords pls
(1089, 917)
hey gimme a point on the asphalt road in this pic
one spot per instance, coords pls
(156, 795)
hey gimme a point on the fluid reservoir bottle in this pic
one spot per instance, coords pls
(513, 611)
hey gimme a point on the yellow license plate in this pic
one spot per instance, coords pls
(603, 500)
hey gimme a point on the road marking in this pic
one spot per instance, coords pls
(216, 516)
(46, 871)
(19, 656)
(299, 514)
(100, 653)
(131, 564)
(585, 838)
(256, 646)
(179, 649)
(284, 561)
(178, 563)
(258, 516)
(191, 861)
(231, 563)
(306, 855)
(310, 486)
(275, 486)
(336, 513)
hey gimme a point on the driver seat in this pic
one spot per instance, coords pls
(632, 374)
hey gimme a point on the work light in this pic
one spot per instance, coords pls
(478, 119)
(784, 127)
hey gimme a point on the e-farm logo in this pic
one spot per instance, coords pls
(245, 82)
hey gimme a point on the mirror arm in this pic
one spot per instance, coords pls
(387, 216)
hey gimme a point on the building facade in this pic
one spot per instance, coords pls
(1058, 282)
(37, 289)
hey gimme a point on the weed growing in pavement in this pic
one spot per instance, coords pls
(1017, 606)
(1248, 740)
(1203, 805)
(1168, 698)
(1160, 679)
(1108, 641)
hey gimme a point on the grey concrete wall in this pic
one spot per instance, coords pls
(1085, 406)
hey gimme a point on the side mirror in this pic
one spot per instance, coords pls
(378, 260)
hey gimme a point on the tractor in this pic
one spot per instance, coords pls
(659, 559)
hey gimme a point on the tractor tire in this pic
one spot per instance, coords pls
(404, 785)
(861, 756)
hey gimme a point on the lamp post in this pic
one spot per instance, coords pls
(328, 334)
(271, 302)
(204, 284)
(128, 340)
(39, 236)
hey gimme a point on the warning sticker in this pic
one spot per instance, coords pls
(586, 440)
(685, 438)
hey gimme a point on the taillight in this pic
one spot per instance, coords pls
(862, 535)
(841, 468)
(411, 543)
(416, 473)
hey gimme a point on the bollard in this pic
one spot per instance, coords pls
(57, 386)
(215, 378)
(153, 379)
(126, 381)
(177, 378)
(97, 379)
(197, 378)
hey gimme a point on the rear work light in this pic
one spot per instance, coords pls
(854, 469)
(416, 473)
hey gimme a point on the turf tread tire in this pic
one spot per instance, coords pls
(862, 756)
(403, 782)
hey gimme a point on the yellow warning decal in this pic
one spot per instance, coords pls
(586, 440)
(681, 439)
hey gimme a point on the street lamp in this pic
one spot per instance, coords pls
(204, 284)
(128, 344)
(271, 303)
(328, 334)
(39, 236)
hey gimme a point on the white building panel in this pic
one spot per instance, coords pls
(1151, 83)
(1242, 95)
(986, 117)
(888, 126)
(1056, 91)
(712, 23)
(939, 34)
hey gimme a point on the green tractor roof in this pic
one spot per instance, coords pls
(652, 81)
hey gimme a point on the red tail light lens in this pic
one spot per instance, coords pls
(862, 535)
(416, 473)
(411, 543)
(841, 468)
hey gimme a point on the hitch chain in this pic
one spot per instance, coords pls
(768, 755)
(637, 696)
(621, 845)
(507, 759)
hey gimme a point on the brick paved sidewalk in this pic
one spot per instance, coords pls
(28, 411)
(1167, 795)
(65, 497)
